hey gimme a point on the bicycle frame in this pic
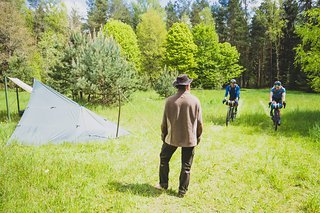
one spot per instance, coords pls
(276, 116)
(230, 112)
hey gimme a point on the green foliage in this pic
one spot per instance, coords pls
(97, 14)
(171, 15)
(181, 50)
(206, 17)
(100, 72)
(16, 43)
(48, 21)
(140, 7)
(308, 52)
(119, 10)
(207, 69)
(51, 46)
(47, 16)
(127, 39)
(63, 77)
(196, 8)
(229, 62)
(220, 15)
(163, 85)
(216, 62)
(151, 33)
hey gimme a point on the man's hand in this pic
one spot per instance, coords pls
(284, 104)
(270, 104)
(236, 101)
(198, 140)
(224, 100)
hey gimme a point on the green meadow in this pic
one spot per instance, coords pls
(245, 167)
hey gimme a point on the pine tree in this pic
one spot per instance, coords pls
(290, 74)
(140, 7)
(196, 8)
(97, 14)
(171, 14)
(258, 52)
(238, 32)
(119, 10)
(219, 12)
(100, 72)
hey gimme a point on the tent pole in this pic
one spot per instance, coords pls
(17, 92)
(118, 113)
(6, 94)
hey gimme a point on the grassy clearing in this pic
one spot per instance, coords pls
(244, 167)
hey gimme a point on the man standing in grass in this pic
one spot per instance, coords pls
(181, 127)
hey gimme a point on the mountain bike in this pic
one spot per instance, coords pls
(276, 115)
(231, 114)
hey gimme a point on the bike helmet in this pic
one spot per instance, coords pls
(277, 83)
(233, 81)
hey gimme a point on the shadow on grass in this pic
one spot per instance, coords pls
(301, 122)
(141, 189)
(292, 122)
(13, 115)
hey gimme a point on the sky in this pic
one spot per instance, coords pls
(81, 6)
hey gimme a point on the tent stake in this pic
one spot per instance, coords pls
(6, 94)
(18, 103)
(119, 113)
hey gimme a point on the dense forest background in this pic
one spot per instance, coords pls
(139, 45)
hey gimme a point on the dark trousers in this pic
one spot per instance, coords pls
(186, 162)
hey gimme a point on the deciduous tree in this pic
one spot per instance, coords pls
(181, 50)
(308, 52)
(151, 33)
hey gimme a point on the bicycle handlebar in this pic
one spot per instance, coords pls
(231, 103)
(276, 105)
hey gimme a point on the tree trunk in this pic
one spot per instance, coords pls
(259, 74)
(270, 73)
(277, 60)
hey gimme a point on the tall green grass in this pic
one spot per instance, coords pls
(245, 167)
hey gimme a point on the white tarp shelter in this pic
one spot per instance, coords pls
(53, 118)
(21, 84)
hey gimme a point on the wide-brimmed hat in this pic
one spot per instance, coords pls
(182, 80)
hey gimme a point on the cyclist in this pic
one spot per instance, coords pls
(277, 97)
(234, 93)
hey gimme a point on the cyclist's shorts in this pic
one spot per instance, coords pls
(233, 98)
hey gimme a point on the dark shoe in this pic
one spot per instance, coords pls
(181, 195)
(159, 187)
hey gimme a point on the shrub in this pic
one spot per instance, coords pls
(163, 85)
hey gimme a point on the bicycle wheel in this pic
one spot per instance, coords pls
(232, 114)
(276, 119)
(228, 116)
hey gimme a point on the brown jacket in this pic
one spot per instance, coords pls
(182, 120)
